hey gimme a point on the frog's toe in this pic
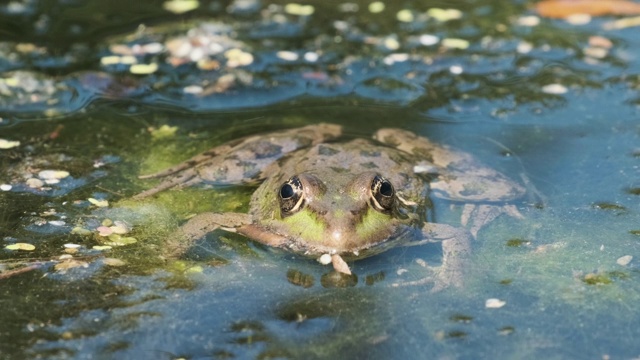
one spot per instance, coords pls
(478, 216)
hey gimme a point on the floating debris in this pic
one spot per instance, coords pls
(453, 43)
(72, 246)
(57, 223)
(311, 56)
(376, 7)
(117, 240)
(298, 9)
(623, 23)
(325, 259)
(494, 303)
(102, 247)
(444, 14)
(287, 55)
(143, 69)
(98, 203)
(8, 144)
(53, 174)
(578, 19)
(104, 231)
(405, 16)
(70, 264)
(237, 58)
(428, 39)
(530, 21)
(34, 183)
(181, 6)
(624, 260)
(555, 89)
(21, 246)
(113, 262)
(163, 132)
(81, 231)
(456, 69)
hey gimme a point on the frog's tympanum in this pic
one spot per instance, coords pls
(337, 200)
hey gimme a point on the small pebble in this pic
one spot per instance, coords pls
(5, 187)
(57, 223)
(71, 246)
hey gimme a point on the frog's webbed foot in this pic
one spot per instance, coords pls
(456, 248)
(477, 216)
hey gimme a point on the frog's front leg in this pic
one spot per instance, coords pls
(456, 249)
(198, 226)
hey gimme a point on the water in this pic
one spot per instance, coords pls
(68, 96)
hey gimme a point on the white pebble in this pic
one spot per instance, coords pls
(57, 222)
(5, 187)
(71, 246)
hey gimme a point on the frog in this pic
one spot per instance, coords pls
(338, 199)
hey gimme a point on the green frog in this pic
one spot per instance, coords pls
(339, 201)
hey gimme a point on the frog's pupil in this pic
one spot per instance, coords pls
(286, 191)
(386, 189)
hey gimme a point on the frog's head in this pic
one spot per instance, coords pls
(344, 213)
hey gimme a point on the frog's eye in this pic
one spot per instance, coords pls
(291, 196)
(383, 194)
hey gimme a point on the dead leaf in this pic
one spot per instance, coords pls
(561, 9)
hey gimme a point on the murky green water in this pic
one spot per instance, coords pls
(532, 99)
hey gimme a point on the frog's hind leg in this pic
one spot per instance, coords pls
(200, 158)
(186, 177)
